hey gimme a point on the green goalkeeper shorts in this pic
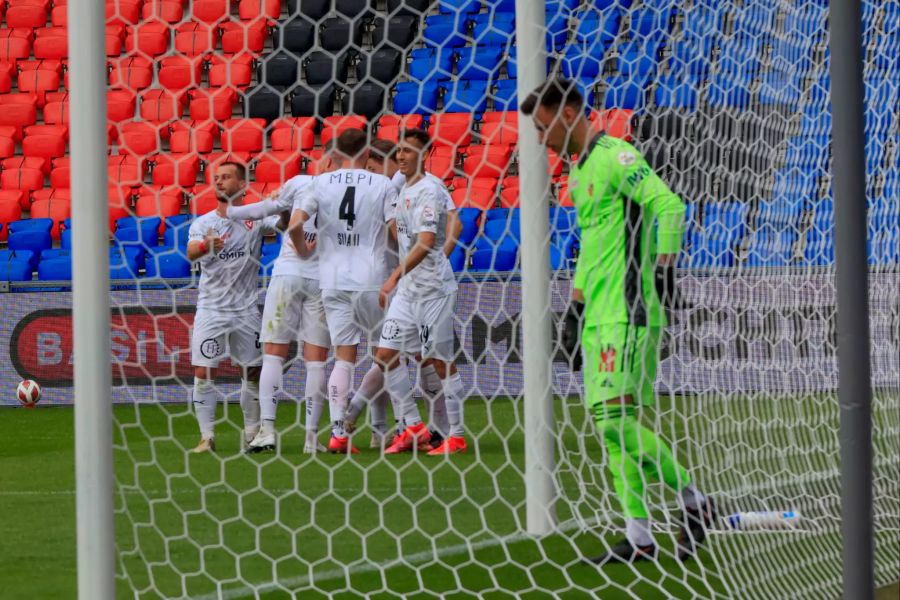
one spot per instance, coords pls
(619, 360)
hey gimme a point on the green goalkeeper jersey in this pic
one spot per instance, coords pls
(627, 215)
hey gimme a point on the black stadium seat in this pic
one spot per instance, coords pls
(278, 69)
(366, 99)
(352, 8)
(312, 101)
(339, 33)
(400, 31)
(382, 65)
(323, 67)
(311, 9)
(298, 35)
(409, 7)
(263, 103)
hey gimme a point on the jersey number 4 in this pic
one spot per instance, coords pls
(347, 209)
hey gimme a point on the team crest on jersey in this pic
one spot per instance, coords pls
(608, 360)
(248, 224)
(626, 158)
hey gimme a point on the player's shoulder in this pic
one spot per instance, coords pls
(298, 182)
(205, 218)
(616, 151)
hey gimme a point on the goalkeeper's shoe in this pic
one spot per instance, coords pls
(452, 445)
(694, 525)
(341, 445)
(625, 552)
(415, 436)
(205, 445)
(261, 442)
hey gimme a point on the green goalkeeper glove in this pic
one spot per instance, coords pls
(571, 334)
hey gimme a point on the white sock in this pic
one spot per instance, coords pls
(692, 497)
(453, 391)
(316, 394)
(433, 391)
(250, 406)
(270, 381)
(204, 401)
(338, 390)
(638, 532)
(370, 387)
(378, 411)
(401, 394)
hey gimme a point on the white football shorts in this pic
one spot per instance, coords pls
(421, 327)
(294, 310)
(350, 315)
(216, 335)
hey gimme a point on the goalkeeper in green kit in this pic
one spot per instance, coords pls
(631, 228)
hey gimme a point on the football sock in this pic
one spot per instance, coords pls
(433, 391)
(638, 532)
(269, 383)
(316, 393)
(691, 497)
(378, 412)
(369, 388)
(453, 392)
(338, 390)
(632, 449)
(401, 394)
(250, 405)
(204, 400)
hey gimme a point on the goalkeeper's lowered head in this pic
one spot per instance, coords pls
(557, 109)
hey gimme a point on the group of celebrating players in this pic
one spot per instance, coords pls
(364, 251)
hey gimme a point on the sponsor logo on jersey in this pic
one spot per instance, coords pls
(638, 175)
(626, 158)
(231, 254)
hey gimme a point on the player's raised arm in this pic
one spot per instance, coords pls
(272, 204)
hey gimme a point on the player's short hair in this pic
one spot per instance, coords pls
(552, 94)
(383, 150)
(420, 135)
(352, 142)
(239, 168)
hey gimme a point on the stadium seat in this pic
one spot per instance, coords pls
(487, 161)
(365, 99)
(322, 68)
(494, 29)
(459, 6)
(473, 198)
(243, 135)
(167, 263)
(413, 97)
(209, 11)
(25, 179)
(651, 22)
(128, 11)
(617, 123)
(160, 106)
(215, 104)
(30, 234)
(278, 69)
(292, 134)
(140, 138)
(13, 48)
(22, 115)
(233, 71)
(196, 39)
(248, 10)
(457, 259)
(441, 162)
(52, 194)
(263, 103)
(505, 96)
(120, 105)
(125, 169)
(466, 96)
(728, 92)
(51, 43)
(177, 73)
(132, 72)
(55, 269)
(175, 169)
(150, 38)
(446, 31)
(337, 34)
(428, 64)
(501, 258)
(242, 37)
(38, 81)
(203, 200)
(297, 36)
(55, 210)
(479, 63)
(334, 126)
(409, 7)
(44, 145)
(381, 65)
(277, 166)
(170, 11)
(14, 269)
(503, 132)
(7, 146)
(672, 93)
(602, 28)
(10, 209)
(177, 230)
(161, 204)
(189, 139)
(313, 101)
(623, 94)
(25, 17)
(399, 31)
(451, 129)
(29, 257)
(27, 162)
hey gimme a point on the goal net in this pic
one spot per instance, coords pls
(729, 103)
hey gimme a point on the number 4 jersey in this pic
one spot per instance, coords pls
(352, 208)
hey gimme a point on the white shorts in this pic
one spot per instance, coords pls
(421, 327)
(294, 310)
(215, 336)
(351, 315)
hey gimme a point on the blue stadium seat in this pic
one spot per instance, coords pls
(26, 256)
(176, 233)
(884, 248)
(135, 255)
(25, 235)
(55, 269)
(770, 248)
(458, 259)
(671, 93)
(701, 22)
(504, 95)
(754, 20)
(583, 63)
(40, 225)
(557, 24)
(469, 218)
(502, 258)
(459, 6)
(776, 88)
(415, 97)
(493, 214)
(446, 31)
(123, 269)
(266, 263)
(167, 263)
(15, 270)
(624, 94)
(563, 220)
(494, 29)
(651, 22)
(479, 63)
(637, 63)
(819, 247)
(431, 63)
(499, 232)
(466, 97)
(729, 92)
(564, 6)
(65, 239)
(597, 27)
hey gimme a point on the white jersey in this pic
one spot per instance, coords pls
(351, 208)
(229, 278)
(288, 261)
(419, 210)
(399, 180)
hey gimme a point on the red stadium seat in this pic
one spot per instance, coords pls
(441, 162)
(404, 121)
(54, 112)
(44, 64)
(230, 71)
(473, 198)
(451, 129)
(52, 43)
(149, 38)
(249, 10)
(44, 146)
(188, 125)
(20, 99)
(59, 195)
(282, 139)
(203, 200)
(334, 126)
(140, 138)
(180, 72)
(157, 205)
(499, 133)
(216, 104)
(14, 48)
(7, 147)
(132, 72)
(277, 166)
(27, 162)
(61, 177)
(59, 16)
(191, 140)
(209, 11)
(43, 5)
(170, 11)
(120, 105)
(161, 106)
(240, 36)
(39, 81)
(243, 135)
(256, 191)
(176, 169)
(554, 163)
(25, 179)
(509, 193)
(128, 11)
(196, 39)
(17, 114)
(26, 16)
(617, 123)
(500, 116)
(311, 161)
(125, 169)
(487, 161)
(57, 210)
(10, 209)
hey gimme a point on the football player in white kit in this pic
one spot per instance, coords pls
(420, 317)
(293, 304)
(383, 159)
(352, 208)
(227, 321)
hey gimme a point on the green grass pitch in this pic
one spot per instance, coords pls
(288, 525)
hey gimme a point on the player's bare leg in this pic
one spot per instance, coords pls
(453, 393)
(338, 391)
(204, 400)
(416, 434)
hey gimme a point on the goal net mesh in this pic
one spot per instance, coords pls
(729, 103)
